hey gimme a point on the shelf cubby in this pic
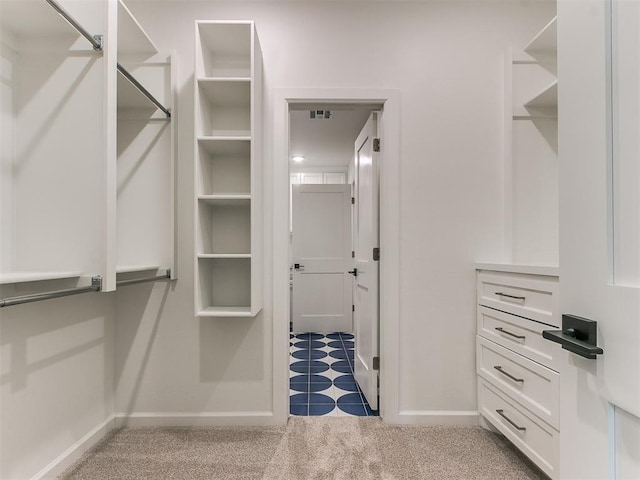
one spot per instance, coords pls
(225, 166)
(225, 107)
(225, 287)
(225, 227)
(224, 49)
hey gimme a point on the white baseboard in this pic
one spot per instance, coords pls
(195, 419)
(435, 417)
(75, 451)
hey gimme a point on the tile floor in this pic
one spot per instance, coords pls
(321, 376)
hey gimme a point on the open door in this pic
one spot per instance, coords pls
(599, 120)
(366, 248)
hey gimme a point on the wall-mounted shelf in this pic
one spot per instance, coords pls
(228, 92)
(225, 200)
(546, 41)
(22, 277)
(133, 41)
(547, 98)
(531, 151)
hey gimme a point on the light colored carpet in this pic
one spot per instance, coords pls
(308, 448)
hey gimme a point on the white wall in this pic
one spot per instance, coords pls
(56, 379)
(446, 60)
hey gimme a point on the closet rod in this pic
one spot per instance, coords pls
(96, 286)
(95, 40)
(123, 283)
(143, 90)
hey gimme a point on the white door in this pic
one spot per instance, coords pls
(321, 256)
(599, 155)
(365, 317)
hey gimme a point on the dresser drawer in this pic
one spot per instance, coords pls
(527, 382)
(530, 296)
(536, 439)
(519, 334)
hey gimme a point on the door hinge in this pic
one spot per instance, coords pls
(376, 363)
(353, 308)
(353, 254)
(376, 254)
(376, 144)
(353, 200)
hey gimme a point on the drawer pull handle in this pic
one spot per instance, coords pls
(500, 412)
(502, 330)
(499, 368)
(500, 294)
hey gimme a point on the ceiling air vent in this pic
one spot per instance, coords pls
(320, 114)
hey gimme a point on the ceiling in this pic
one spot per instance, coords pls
(326, 142)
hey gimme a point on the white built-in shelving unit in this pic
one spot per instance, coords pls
(52, 146)
(518, 374)
(531, 151)
(228, 221)
(87, 162)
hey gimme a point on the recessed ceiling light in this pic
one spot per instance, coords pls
(297, 158)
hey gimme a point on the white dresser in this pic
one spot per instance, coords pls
(518, 379)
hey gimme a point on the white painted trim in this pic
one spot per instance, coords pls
(194, 419)
(438, 417)
(389, 239)
(75, 451)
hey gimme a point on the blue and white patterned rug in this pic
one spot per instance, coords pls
(321, 376)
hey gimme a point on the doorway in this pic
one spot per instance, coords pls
(325, 352)
(285, 99)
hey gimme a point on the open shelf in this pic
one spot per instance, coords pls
(224, 167)
(547, 98)
(225, 49)
(228, 224)
(21, 277)
(225, 312)
(225, 200)
(225, 229)
(225, 286)
(136, 268)
(225, 108)
(34, 19)
(133, 41)
(224, 255)
(546, 41)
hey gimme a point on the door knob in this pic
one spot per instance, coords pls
(353, 272)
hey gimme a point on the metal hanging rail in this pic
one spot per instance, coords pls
(95, 40)
(96, 286)
(143, 90)
(124, 283)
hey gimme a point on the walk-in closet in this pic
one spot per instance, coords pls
(159, 320)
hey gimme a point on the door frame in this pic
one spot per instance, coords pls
(389, 226)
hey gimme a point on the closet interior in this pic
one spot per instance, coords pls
(518, 370)
(87, 183)
(228, 197)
